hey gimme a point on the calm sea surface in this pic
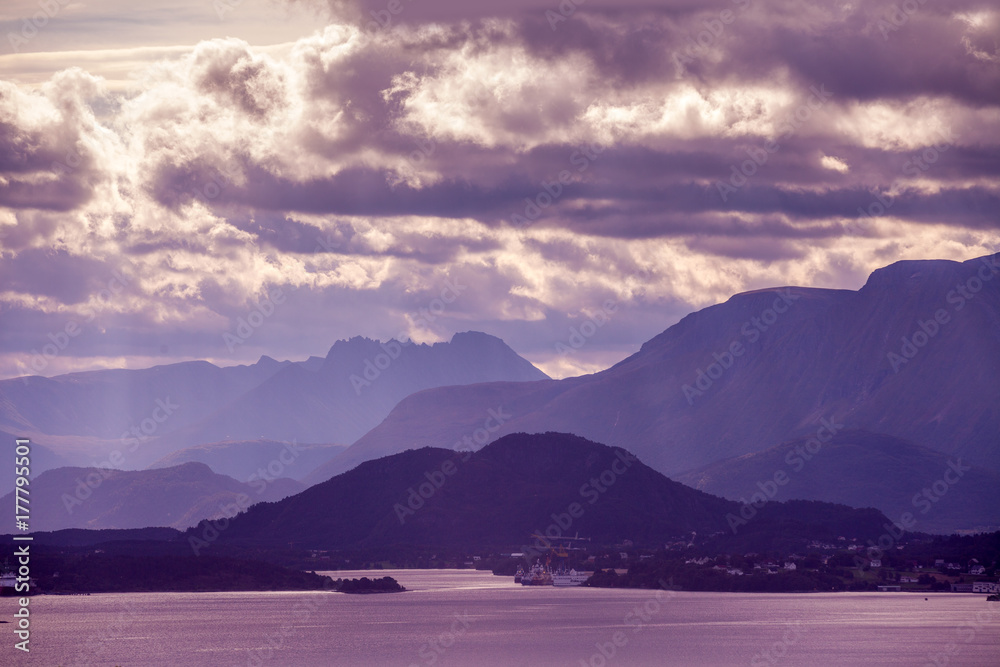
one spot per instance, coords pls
(464, 617)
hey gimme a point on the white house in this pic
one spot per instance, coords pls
(986, 587)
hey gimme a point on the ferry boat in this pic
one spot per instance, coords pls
(538, 575)
(8, 583)
(569, 578)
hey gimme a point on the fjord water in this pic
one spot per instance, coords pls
(463, 617)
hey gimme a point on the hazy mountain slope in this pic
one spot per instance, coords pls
(108, 403)
(460, 412)
(360, 381)
(242, 459)
(825, 356)
(500, 495)
(42, 458)
(864, 470)
(177, 497)
(148, 414)
(82, 418)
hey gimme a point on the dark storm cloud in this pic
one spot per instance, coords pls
(549, 159)
(860, 58)
(761, 249)
(634, 192)
(64, 194)
(34, 172)
(70, 279)
(288, 235)
(840, 50)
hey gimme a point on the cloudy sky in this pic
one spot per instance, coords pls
(166, 165)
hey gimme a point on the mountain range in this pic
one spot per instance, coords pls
(894, 384)
(913, 355)
(145, 415)
(523, 489)
(865, 470)
(246, 459)
(178, 497)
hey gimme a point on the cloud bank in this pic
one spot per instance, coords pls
(550, 156)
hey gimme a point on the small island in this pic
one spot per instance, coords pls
(365, 585)
(100, 572)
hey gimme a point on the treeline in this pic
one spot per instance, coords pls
(693, 578)
(119, 573)
(366, 585)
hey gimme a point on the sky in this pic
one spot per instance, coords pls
(222, 179)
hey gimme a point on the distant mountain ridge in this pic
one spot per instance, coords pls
(518, 487)
(176, 497)
(242, 460)
(763, 368)
(865, 470)
(148, 414)
(360, 381)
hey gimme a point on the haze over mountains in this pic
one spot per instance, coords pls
(242, 459)
(360, 381)
(553, 484)
(806, 355)
(148, 414)
(899, 379)
(866, 470)
(177, 497)
(914, 354)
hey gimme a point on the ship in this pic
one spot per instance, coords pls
(8, 583)
(569, 577)
(549, 575)
(8, 580)
(538, 575)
